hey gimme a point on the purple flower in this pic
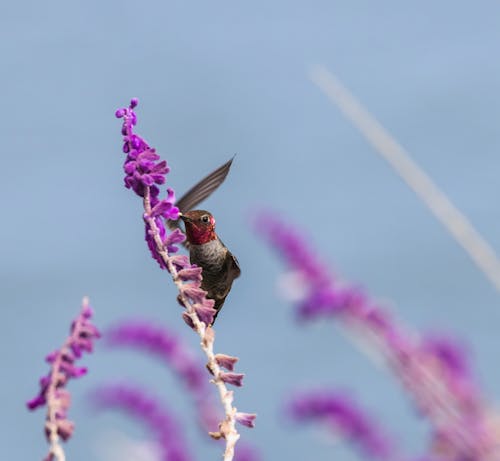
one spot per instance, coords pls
(182, 262)
(144, 171)
(161, 424)
(292, 247)
(450, 354)
(324, 295)
(246, 419)
(205, 310)
(433, 372)
(62, 369)
(147, 337)
(174, 237)
(166, 346)
(226, 361)
(194, 292)
(236, 379)
(190, 273)
(345, 417)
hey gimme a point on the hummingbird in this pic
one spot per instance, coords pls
(219, 266)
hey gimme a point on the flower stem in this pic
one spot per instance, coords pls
(227, 429)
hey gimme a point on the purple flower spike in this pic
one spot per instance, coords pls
(167, 347)
(62, 368)
(433, 372)
(160, 423)
(163, 344)
(143, 169)
(345, 417)
(450, 354)
(323, 295)
(292, 246)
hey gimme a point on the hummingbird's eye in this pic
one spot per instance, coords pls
(205, 218)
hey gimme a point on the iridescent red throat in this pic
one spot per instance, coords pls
(198, 235)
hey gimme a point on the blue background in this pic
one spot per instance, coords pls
(218, 78)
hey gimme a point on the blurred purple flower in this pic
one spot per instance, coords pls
(450, 355)
(433, 372)
(345, 417)
(246, 452)
(161, 424)
(62, 368)
(166, 346)
(160, 342)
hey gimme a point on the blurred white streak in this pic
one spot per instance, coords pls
(291, 286)
(116, 446)
(400, 160)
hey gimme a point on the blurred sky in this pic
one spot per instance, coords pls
(218, 78)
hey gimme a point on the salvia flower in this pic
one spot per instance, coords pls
(161, 424)
(345, 417)
(167, 347)
(433, 372)
(144, 172)
(236, 379)
(226, 361)
(162, 343)
(53, 391)
(246, 419)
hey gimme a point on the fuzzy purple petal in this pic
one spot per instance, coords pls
(193, 292)
(204, 313)
(226, 361)
(246, 419)
(236, 379)
(190, 274)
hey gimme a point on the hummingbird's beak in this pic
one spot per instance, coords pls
(184, 218)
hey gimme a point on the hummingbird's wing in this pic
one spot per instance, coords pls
(204, 188)
(200, 192)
